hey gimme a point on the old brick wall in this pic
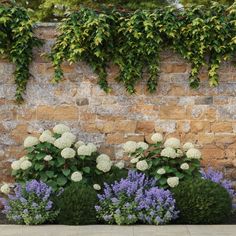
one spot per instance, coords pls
(206, 116)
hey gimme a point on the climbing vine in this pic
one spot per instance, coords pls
(16, 43)
(133, 41)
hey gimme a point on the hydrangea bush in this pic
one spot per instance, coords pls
(168, 161)
(30, 204)
(136, 198)
(57, 158)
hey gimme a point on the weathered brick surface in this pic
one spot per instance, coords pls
(206, 116)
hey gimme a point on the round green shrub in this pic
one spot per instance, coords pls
(76, 205)
(202, 202)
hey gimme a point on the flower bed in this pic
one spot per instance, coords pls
(63, 180)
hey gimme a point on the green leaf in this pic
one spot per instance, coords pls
(50, 174)
(61, 181)
(38, 166)
(86, 169)
(66, 172)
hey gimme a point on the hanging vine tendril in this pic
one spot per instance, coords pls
(16, 43)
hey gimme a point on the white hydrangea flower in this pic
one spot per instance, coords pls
(92, 147)
(120, 164)
(179, 153)
(68, 153)
(30, 141)
(5, 188)
(184, 166)
(134, 160)
(69, 136)
(47, 158)
(142, 145)
(45, 137)
(187, 146)
(97, 187)
(103, 157)
(62, 143)
(193, 153)
(47, 132)
(78, 144)
(15, 165)
(142, 165)
(157, 138)
(84, 150)
(76, 176)
(161, 171)
(172, 142)
(173, 181)
(168, 152)
(104, 166)
(25, 165)
(24, 158)
(130, 146)
(61, 129)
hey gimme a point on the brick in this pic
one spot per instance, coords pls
(45, 113)
(213, 153)
(172, 112)
(66, 113)
(221, 127)
(145, 127)
(19, 133)
(115, 138)
(126, 126)
(199, 126)
(173, 68)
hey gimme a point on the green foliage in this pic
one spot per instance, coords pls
(207, 3)
(76, 205)
(16, 43)
(202, 202)
(133, 41)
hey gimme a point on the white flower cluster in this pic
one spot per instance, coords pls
(47, 158)
(173, 181)
(5, 188)
(142, 165)
(193, 153)
(30, 141)
(86, 150)
(169, 152)
(68, 153)
(120, 164)
(97, 187)
(172, 142)
(187, 146)
(184, 166)
(104, 163)
(76, 176)
(157, 138)
(61, 129)
(131, 146)
(79, 143)
(47, 136)
(23, 163)
(161, 171)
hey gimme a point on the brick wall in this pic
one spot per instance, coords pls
(206, 116)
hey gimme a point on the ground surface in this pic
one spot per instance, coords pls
(106, 230)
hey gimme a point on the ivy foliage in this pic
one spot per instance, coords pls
(133, 41)
(16, 43)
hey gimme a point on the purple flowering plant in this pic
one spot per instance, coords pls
(30, 204)
(134, 199)
(218, 177)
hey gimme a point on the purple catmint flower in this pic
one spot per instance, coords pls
(136, 198)
(218, 177)
(31, 199)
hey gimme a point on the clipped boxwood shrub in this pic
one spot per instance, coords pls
(76, 205)
(202, 202)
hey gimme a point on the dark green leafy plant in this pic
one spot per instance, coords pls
(133, 41)
(16, 43)
(77, 205)
(202, 201)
